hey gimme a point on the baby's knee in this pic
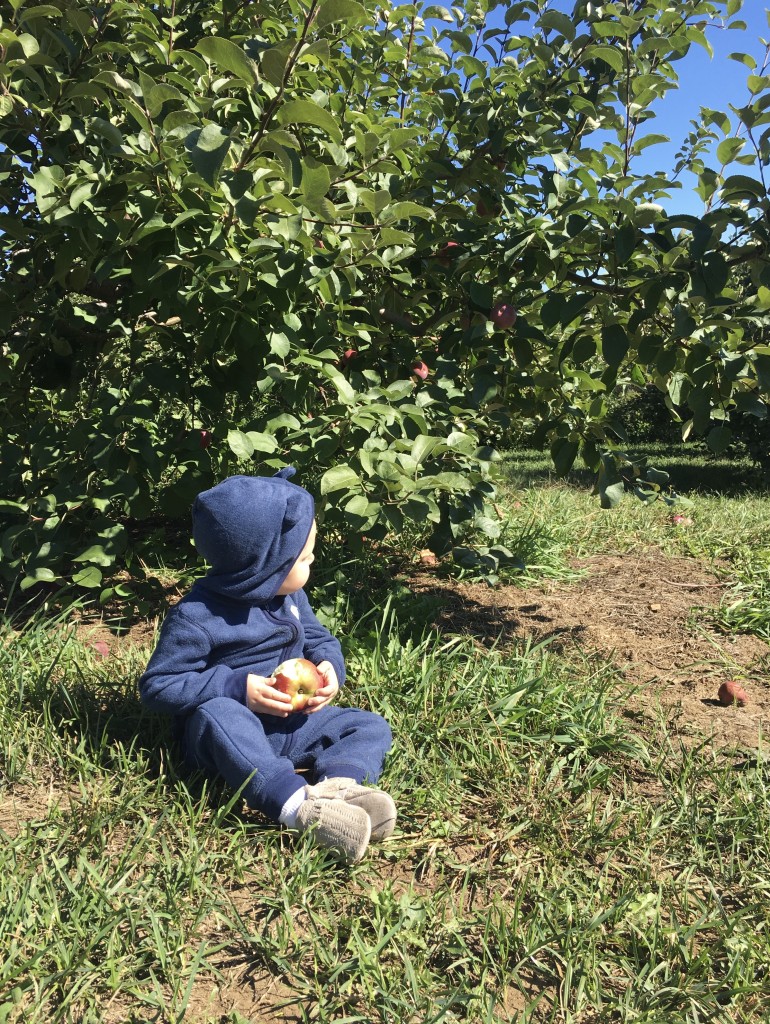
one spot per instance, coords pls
(216, 718)
(370, 725)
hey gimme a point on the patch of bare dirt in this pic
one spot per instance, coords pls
(647, 614)
(20, 804)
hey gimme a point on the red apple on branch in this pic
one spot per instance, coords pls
(484, 209)
(419, 369)
(503, 316)
(205, 439)
(449, 251)
(299, 678)
(348, 356)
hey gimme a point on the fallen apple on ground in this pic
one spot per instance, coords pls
(732, 693)
(680, 520)
(299, 678)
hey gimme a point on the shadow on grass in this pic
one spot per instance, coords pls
(445, 611)
(690, 470)
(120, 735)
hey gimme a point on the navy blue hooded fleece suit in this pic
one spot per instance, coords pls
(251, 530)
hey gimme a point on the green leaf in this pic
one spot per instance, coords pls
(316, 182)
(614, 344)
(96, 554)
(40, 575)
(745, 59)
(339, 478)
(740, 186)
(424, 447)
(208, 148)
(261, 442)
(228, 56)
(240, 444)
(361, 507)
(608, 54)
(273, 64)
(558, 22)
(340, 10)
(13, 506)
(39, 11)
(405, 211)
(611, 495)
(307, 112)
(718, 439)
(564, 452)
(728, 149)
(437, 12)
(346, 393)
(89, 576)
(279, 344)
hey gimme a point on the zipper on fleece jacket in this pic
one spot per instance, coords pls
(294, 634)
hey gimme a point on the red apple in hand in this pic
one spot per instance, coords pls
(299, 678)
(503, 316)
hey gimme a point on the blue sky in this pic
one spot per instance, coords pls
(706, 82)
(713, 82)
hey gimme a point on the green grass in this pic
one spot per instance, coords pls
(551, 864)
(729, 532)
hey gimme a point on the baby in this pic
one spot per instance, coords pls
(218, 648)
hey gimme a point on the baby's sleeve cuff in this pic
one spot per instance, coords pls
(235, 685)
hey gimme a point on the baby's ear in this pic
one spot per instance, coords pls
(286, 473)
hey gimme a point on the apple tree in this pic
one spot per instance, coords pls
(371, 241)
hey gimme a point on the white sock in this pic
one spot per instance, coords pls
(288, 815)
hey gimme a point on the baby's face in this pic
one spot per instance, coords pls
(299, 573)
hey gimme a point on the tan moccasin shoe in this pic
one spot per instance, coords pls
(342, 828)
(377, 804)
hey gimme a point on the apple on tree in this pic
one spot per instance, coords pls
(419, 369)
(449, 251)
(299, 678)
(503, 316)
(486, 209)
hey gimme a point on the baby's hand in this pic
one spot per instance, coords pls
(324, 694)
(264, 699)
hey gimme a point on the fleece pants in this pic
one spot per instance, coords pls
(224, 738)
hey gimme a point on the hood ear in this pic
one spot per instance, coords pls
(251, 530)
(286, 473)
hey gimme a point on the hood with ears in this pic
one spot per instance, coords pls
(251, 530)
